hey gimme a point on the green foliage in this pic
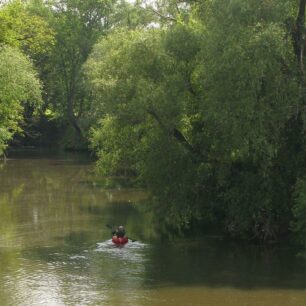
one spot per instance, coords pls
(299, 211)
(210, 97)
(77, 25)
(116, 146)
(21, 28)
(242, 83)
(132, 16)
(18, 85)
(136, 81)
(203, 101)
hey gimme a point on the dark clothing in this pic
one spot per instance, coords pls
(119, 232)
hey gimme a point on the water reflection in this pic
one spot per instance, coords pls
(48, 202)
(55, 249)
(92, 276)
(219, 264)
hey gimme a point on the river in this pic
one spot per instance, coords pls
(55, 248)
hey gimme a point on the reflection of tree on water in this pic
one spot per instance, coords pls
(9, 242)
(45, 211)
(219, 263)
(51, 223)
(8, 221)
(48, 206)
(53, 203)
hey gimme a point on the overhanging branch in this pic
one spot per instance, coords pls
(197, 155)
(165, 17)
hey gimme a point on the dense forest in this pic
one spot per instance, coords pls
(201, 102)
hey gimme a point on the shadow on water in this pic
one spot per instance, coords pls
(222, 264)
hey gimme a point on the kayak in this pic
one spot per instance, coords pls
(120, 240)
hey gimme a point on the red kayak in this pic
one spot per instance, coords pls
(120, 240)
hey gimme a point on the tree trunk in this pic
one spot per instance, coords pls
(197, 155)
(299, 40)
(72, 118)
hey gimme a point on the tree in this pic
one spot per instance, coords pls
(77, 24)
(18, 85)
(27, 30)
(132, 16)
(209, 98)
(22, 28)
(142, 83)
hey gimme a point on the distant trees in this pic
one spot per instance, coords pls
(77, 25)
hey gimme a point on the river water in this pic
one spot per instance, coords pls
(55, 248)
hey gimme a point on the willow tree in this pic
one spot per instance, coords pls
(22, 35)
(19, 86)
(141, 82)
(200, 110)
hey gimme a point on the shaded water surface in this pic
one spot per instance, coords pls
(55, 249)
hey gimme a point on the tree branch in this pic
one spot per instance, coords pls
(177, 8)
(161, 15)
(197, 156)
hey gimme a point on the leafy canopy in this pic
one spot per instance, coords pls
(18, 85)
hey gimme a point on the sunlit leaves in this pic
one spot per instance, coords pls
(19, 27)
(18, 85)
(116, 146)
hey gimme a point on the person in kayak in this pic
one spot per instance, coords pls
(119, 231)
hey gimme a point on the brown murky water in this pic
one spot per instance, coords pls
(55, 249)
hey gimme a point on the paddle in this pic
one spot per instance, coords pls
(112, 227)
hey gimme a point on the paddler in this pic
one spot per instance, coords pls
(119, 231)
